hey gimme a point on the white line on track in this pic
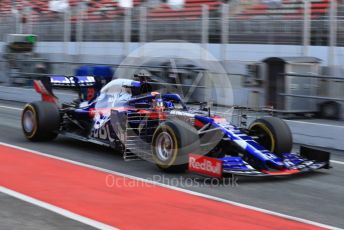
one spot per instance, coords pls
(8, 107)
(313, 123)
(337, 162)
(178, 189)
(57, 210)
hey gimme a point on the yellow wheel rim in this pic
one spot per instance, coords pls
(175, 151)
(268, 132)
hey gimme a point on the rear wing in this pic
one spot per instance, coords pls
(84, 84)
(72, 81)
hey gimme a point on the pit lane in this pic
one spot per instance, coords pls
(317, 196)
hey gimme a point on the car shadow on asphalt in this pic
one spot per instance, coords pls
(269, 179)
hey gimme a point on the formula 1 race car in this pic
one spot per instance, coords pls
(129, 116)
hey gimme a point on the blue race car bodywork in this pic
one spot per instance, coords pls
(125, 109)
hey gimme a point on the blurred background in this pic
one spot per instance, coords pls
(284, 54)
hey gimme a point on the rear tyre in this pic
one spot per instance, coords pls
(40, 121)
(171, 144)
(273, 133)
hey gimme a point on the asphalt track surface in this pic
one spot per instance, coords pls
(318, 196)
(20, 215)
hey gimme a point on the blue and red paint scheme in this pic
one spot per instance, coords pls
(95, 117)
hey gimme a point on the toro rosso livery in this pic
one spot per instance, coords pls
(129, 116)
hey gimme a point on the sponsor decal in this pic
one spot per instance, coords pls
(181, 113)
(61, 80)
(70, 81)
(205, 165)
(102, 133)
(183, 116)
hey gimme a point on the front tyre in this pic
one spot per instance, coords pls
(273, 134)
(40, 121)
(171, 144)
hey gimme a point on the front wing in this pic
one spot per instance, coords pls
(308, 160)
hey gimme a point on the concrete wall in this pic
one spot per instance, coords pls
(318, 134)
(242, 52)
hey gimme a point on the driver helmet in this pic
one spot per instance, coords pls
(158, 103)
